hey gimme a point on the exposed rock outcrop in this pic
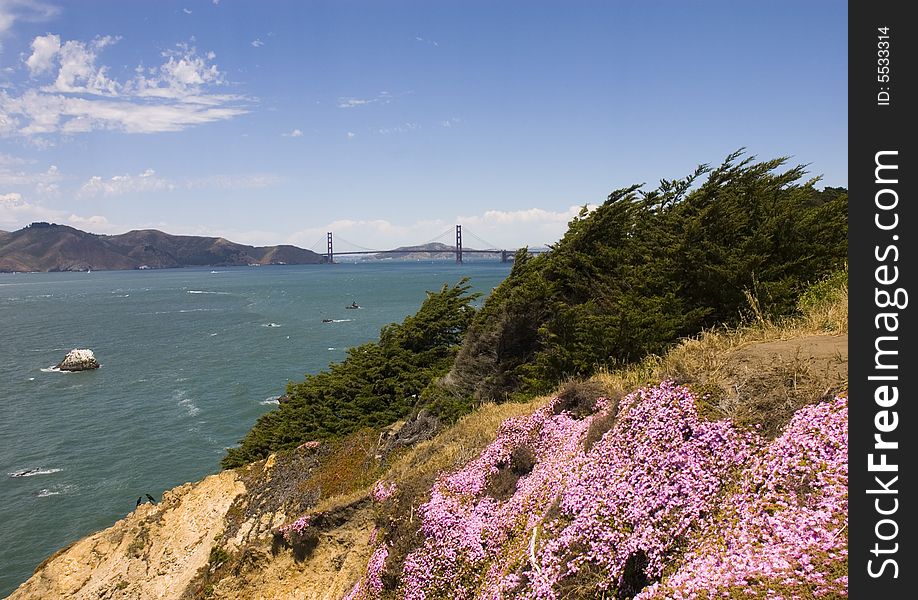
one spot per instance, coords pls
(79, 359)
(422, 426)
(151, 554)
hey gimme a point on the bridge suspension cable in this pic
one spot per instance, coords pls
(487, 245)
(445, 235)
(338, 238)
(319, 246)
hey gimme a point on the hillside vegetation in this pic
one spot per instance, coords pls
(628, 280)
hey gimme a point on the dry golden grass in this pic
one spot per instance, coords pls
(758, 373)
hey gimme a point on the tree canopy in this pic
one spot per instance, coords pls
(649, 267)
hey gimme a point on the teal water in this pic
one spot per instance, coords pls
(191, 358)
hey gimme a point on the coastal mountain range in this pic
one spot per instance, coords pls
(51, 247)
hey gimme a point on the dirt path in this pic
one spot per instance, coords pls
(767, 382)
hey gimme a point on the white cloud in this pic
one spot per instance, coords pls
(294, 133)
(78, 72)
(352, 102)
(534, 226)
(149, 181)
(351, 135)
(529, 215)
(183, 76)
(377, 234)
(448, 123)
(186, 11)
(257, 43)
(8, 159)
(179, 93)
(120, 185)
(29, 11)
(380, 98)
(44, 181)
(96, 221)
(425, 41)
(232, 182)
(15, 210)
(403, 128)
(45, 49)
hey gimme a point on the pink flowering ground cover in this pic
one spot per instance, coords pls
(664, 505)
(782, 533)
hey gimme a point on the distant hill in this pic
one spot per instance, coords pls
(431, 251)
(51, 247)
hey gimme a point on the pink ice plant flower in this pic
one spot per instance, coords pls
(383, 490)
(660, 485)
(296, 527)
(640, 491)
(785, 525)
(371, 584)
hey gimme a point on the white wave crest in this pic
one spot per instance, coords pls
(56, 490)
(187, 403)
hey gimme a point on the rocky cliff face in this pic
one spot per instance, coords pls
(152, 553)
(171, 550)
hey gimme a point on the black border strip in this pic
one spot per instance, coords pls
(882, 231)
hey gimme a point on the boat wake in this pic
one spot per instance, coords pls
(33, 472)
(56, 490)
(270, 400)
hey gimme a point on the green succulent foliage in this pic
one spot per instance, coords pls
(377, 383)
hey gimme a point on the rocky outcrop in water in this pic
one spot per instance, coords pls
(79, 359)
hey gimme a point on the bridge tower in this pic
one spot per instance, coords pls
(459, 244)
(330, 255)
(503, 256)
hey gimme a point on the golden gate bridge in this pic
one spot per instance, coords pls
(458, 249)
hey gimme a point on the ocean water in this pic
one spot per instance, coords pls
(190, 359)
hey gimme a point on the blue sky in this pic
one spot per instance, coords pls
(389, 121)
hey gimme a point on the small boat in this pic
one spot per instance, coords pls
(327, 320)
(353, 306)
